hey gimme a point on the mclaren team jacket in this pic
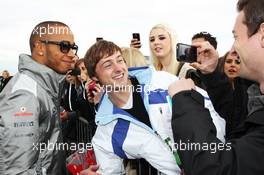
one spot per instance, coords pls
(29, 122)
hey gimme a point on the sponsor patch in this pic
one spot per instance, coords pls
(23, 124)
(23, 112)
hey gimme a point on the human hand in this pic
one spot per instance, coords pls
(94, 92)
(180, 85)
(63, 115)
(207, 57)
(91, 170)
(135, 44)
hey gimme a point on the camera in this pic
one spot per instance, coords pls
(75, 72)
(136, 36)
(186, 53)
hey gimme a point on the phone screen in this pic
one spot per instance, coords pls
(136, 36)
(186, 53)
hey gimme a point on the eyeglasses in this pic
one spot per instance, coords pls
(65, 46)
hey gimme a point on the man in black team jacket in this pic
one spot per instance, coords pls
(191, 123)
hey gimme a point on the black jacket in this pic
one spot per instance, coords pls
(3, 82)
(192, 124)
(75, 100)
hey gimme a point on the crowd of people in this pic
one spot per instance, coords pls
(174, 118)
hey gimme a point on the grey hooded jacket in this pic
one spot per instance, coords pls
(29, 121)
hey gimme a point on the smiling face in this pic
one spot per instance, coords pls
(160, 43)
(249, 49)
(58, 61)
(48, 50)
(112, 71)
(232, 65)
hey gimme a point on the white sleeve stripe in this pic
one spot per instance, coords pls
(24, 82)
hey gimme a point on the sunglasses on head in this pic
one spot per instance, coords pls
(65, 46)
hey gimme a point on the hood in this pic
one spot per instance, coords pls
(45, 76)
(143, 74)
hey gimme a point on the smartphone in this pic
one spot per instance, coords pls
(186, 53)
(91, 88)
(99, 38)
(136, 36)
(75, 72)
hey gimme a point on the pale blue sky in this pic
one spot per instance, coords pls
(113, 20)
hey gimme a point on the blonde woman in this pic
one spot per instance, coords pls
(133, 57)
(162, 42)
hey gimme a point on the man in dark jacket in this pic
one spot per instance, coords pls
(228, 101)
(191, 123)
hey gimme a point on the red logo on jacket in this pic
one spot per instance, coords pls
(23, 113)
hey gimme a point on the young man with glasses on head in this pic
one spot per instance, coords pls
(29, 105)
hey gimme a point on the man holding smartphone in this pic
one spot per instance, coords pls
(246, 155)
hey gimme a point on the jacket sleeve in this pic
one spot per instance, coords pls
(108, 162)
(192, 124)
(19, 133)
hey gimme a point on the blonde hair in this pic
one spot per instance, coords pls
(133, 57)
(174, 66)
(7, 73)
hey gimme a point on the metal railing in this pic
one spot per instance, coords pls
(85, 130)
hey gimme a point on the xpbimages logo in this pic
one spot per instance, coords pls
(51, 30)
(192, 146)
(81, 147)
(147, 89)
